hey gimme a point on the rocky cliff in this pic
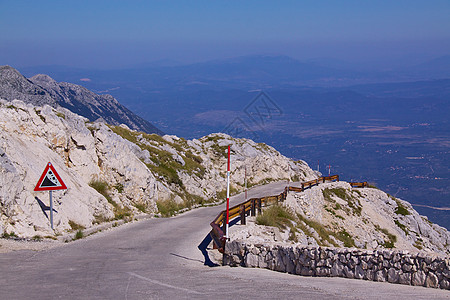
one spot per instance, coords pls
(113, 172)
(42, 89)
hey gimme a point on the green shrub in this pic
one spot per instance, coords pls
(6, 235)
(323, 233)
(402, 226)
(61, 115)
(168, 208)
(345, 237)
(390, 243)
(401, 210)
(352, 202)
(119, 187)
(37, 238)
(75, 226)
(276, 216)
(141, 207)
(121, 213)
(102, 188)
(79, 235)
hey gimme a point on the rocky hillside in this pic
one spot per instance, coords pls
(41, 89)
(113, 172)
(337, 215)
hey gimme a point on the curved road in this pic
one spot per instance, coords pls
(159, 259)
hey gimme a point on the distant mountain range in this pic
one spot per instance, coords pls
(246, 72)
(42, 89)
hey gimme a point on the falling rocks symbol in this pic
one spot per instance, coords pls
(50, 180)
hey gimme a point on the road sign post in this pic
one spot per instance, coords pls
(50, 181)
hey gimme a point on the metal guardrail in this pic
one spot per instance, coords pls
(254, 205)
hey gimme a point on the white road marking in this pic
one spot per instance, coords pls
(164, 284)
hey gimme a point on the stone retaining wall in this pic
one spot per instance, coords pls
(376, 265)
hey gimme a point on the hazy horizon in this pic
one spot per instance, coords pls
(115, 34)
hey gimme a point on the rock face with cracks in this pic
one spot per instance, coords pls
(113, 172)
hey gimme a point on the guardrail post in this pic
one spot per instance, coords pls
(303, 187)
(253, 209)
(242, 213)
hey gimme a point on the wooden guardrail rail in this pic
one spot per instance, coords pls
(254, 206)
(359, 184)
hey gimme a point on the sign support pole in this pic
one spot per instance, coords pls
(51, 209)
(50, 181)
(228, 193)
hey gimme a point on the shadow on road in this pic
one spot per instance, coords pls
(206, 241)
(186, 258)
(203, 248)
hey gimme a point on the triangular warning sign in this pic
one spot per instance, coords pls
(50, 180)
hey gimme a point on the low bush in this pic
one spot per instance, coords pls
(276, 216)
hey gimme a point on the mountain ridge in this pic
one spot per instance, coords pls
(42, 89)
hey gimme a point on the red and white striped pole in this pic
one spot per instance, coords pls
(245, 182)
(228, 193)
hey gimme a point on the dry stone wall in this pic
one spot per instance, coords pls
(392, 266)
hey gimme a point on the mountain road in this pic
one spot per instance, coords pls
(159, 258)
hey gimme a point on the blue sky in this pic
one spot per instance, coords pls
(109, 34)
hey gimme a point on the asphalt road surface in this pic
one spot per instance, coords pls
(160, 259)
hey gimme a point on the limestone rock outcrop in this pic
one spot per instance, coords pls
(113, 172)
(336, 215)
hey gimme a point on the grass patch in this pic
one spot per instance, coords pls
(79, 234)
(346, 238)
(292, 234)
(6, 235)
(124, 133)
(61, 115)
(418, 244)
(168, 208)
(426, 220)
(296, 178)
(353, 203)
(323, 233)
(119, 187)
(401, 210)
(164, 164)
(402, 226)
(75, 226)
(372, 185)
(38, 112)
(391, 238)
(220, 151)
(37, 238)
(121, 213)
(276, 216)
(98, 219)
(141, 207)
(103, 188)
